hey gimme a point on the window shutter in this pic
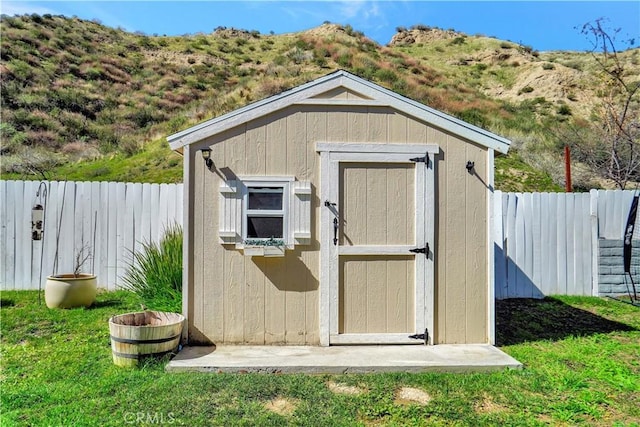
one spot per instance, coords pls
(230, 221)
(301, 217)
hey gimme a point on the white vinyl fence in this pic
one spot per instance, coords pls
(108, 219)
(544, 243)
(547, 243)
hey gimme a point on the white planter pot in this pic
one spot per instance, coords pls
(70, 291)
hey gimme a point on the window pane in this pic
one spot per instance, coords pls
(266, 198)
(264, 227)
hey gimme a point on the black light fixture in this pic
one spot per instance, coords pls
(206, 155)
(470, 166)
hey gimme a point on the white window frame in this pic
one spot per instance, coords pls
(283, 182)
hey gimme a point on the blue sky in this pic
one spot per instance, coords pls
(544, 25)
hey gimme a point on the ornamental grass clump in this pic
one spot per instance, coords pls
(155, 275)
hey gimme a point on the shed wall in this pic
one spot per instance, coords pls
(238, 299)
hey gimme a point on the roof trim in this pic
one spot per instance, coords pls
(340, 78)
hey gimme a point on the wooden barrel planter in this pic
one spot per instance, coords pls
(135, 336)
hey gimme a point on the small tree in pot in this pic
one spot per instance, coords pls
(75, 289)
(72, 289)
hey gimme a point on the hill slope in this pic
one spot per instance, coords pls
(87, 102)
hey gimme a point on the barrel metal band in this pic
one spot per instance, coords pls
(154, 341)
(140, 356)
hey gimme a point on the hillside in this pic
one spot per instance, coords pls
(83, 101)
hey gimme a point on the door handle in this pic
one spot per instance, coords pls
(332, 208)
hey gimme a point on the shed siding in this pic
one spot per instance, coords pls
(238, 299)
(340, 93)
(461, 270)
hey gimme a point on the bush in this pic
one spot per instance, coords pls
(386, 75)
(473, 116)
(564, 110)
(155, 275)
(344, 60)
(575, 64)
(526, 89)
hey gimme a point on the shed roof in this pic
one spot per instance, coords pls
(304, 94)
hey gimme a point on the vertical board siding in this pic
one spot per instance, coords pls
(547, 243)
(110, 220)
(376, 294)
(476, 292)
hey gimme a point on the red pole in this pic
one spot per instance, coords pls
(567, 169)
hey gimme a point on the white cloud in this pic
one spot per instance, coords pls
(95, 11)
(303, 13)
(359, 9)
(23, 8)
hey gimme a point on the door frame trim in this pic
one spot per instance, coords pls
(331, 154)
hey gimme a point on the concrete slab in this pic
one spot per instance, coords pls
(343, 359)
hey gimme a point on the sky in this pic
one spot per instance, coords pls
(543, 25)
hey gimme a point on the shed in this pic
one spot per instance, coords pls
(338, 212)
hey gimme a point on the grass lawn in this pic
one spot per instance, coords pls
(581, 357)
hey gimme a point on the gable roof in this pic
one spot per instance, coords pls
(304, 94)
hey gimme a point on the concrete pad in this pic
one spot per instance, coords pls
(343, 359)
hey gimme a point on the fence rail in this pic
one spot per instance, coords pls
(544, 243)
(108, 219)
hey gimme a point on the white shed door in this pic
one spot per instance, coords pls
(377, 222)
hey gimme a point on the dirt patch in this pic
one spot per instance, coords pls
(488, 406)
(560, 84)
(326, 30)
(281, 405)
(180, 58)
(339, 388)
(427, 35)
(224, 32)
(412, 396)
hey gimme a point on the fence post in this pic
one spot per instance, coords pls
(593, 212)
(497, 240)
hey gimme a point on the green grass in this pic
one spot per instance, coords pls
(581, 358)
(513, 174)
(156, 164)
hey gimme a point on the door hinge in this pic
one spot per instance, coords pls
(424, 337)
(424, 159)
(424, 250)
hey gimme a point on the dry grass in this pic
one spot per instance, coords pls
(412, 396)
(350, 390)
(282, 406)
(488, 406)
